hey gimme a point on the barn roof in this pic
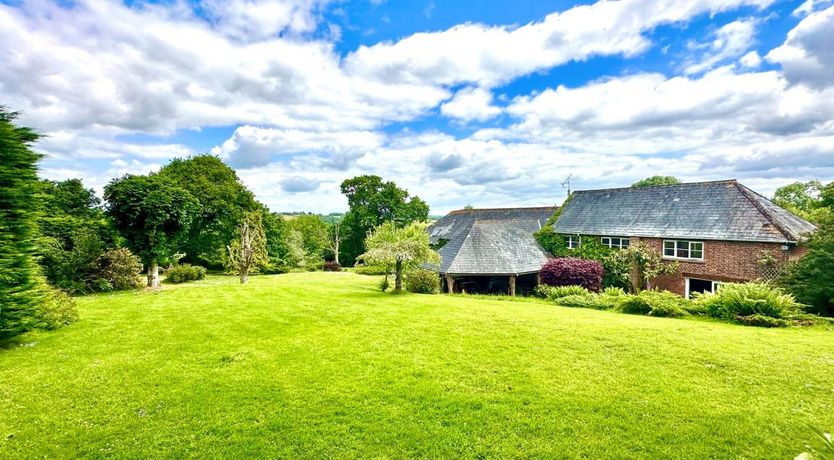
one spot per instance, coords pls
(491, 241)
(722, 210)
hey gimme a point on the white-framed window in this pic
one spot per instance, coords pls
(683, 249)
(699, 285)
(614, 242)
(573, 241)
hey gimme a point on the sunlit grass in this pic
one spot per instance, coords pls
(317, 365)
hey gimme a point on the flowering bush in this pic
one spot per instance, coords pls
(569, 271)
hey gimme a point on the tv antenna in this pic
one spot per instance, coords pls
(566, 183)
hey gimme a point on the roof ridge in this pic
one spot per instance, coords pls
(728, 181)
(530, 208)
(749, 194)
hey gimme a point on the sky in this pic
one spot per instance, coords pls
(491, 103)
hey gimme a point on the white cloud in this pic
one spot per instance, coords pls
(471, 104)
(252, 146)
(751, 60)
(487, 56)
(259, 19)
(807, 56)
(728, 42)
(95, 72)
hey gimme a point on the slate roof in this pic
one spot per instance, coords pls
(722, 210)
(491, 241)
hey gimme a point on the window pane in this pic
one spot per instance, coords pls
(669, 244)
(625, 242)
(697, 254)
(683, 253)
(697, 246)
(615, 242)
(683, 245)
(606, 241)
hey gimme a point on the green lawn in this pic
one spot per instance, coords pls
(320, 365)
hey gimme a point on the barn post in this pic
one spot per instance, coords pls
(512, 285)
(450, 284)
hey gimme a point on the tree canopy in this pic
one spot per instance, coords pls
(153, 215)
(401, 248)
(222, 201)
(810, 200)
(656, 180)
(371, 202)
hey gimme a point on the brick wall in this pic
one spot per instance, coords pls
(723, 261)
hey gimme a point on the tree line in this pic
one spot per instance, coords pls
(59, 237)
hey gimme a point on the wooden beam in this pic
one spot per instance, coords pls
(450, 284)
(512, 285)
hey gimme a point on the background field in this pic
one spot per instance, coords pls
(317, 365)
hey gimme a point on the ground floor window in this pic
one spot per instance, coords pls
(699, 285)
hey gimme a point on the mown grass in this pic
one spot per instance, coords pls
(320, 365)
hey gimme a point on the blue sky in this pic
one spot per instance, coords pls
(491, 103)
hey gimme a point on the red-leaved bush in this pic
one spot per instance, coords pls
(570, 271)
(331, 266)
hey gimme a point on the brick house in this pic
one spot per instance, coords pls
(718, 231)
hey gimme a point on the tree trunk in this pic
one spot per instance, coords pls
(398, 280)
(244, 276)
(336, 253)
(153, 274)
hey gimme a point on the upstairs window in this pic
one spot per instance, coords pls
(573, 241)
(683, 249)
(614, 242)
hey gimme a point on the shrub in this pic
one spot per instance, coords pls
(184, 273)
(654, 303)
(383, 284)
(118, 269)
(587, 300)
(635, 305)
(372, 270)
(762, 321)
(55, 307)
(569, 271)
(422, 281)
(331, 266)
(614, 292)
(733, 300)
(556, 292)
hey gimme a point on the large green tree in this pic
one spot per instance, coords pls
(399, 247)
(277, 234)
(314, 235)
(656, 180)
(811, 278)
(18, 226)
(26, 301)
(371, 202)
(223, 201)
(74, 233)
(153, 215)
(810, 200)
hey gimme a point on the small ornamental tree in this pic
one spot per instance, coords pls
(570, 271)
(646, 264)
(402, 248)
(249, 250)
